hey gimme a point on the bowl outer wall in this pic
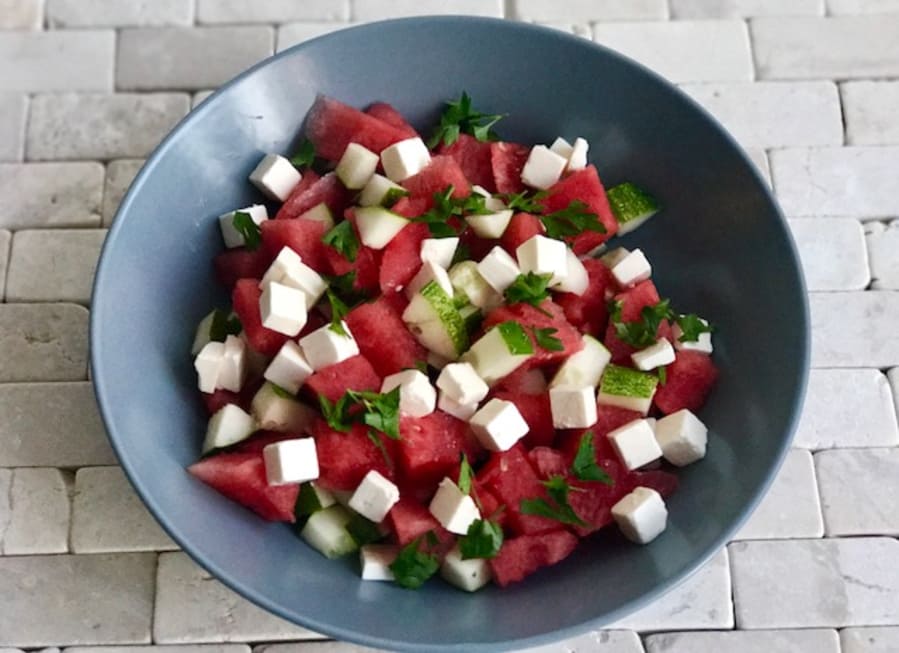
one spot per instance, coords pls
(720, 248)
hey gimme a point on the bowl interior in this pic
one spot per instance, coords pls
(720, 248)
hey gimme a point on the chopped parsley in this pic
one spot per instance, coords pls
(691, 327)
(343, 238)
(446, 206)
(557, 508)
(584, 465)
(459, 118)
(338, 311)
(381, 410)
(526, 201)
(412, 567)
(547, 340)
(465, 474)
(337, 413)
(663, 375)
(641, 333)
(530, 288)
(572, 220)
(483, 540)
(305, 154)
(252, 236)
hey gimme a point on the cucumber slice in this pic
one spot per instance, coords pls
(627, 388)
(228, 426)
(311, 499)
(584, 368)
(631, 205)
(499, 352)
(471, 288)
(472, 317)
(436, 322)
(320, 213)
(380, 191)
(377, 226)
(275, 410)
(326, 532)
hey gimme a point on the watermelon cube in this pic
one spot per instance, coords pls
(522, 227)
(327, 190)
(388, 113)
(507, 160)
(592, 501)
(521, 556)
(441, 173)
(302, 236)
(401, 259)
(583, 185)
(383, 337)
(261, 439)
(217, 400)
(332, 382)
(332, 125)
(240, 263)
(665, 483)
(588, 312)
(409, 519)
(689, 380)
(537, 412)
(245, 300)
(548, 462)
(366, 267)
(241, 478)
(474, 158)
(345, 458)
(531, 318)
(430, 447)
(410, 207)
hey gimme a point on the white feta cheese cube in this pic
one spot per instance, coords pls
(454, 509)
(573, 408)
(374, 497)
(207, 364)
(561, 147)
(304, 278)
(319, 213)
(379, 191)
(229, 425)
(543, 167)
(492, 203)
(577, 280)
(490, 225)
(439, 251)
(290, 461)
(232, 237)
(275, 176)
(417, 396)
(233, 369)
(282, 308)
(498, 425)
(289, 368)
(498, 269)
(542, 255)
(377, 226)
(452, 407)
(428, 272)
(324, 346)
(468, 281)
(632, 269)
(614, 256)
(641, 515)
(375, 561)
(702, 344)
(274, 412)
(284, 262)
(635, 443)
(404, 159)
(585, 367)
(469, 575)
(356, 166)
(461, 383)
(682, 437)
(577, 159)
(656, 355)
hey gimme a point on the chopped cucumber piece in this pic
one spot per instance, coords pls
(472, 317)
(380, 191)
(377, 226)
(471, 287)
(311, 499)
(320, 213)
(435, 321)
(490, 225)
(326, 532)
(468, 574)
(494, 355)
(631, 205)
(584, 368)
(275, 410)
(203, 337)
(228, 426)
(627, 388)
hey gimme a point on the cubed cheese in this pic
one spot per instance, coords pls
(577, 280)
(282, 308)
(454, 509)
(417, 396)
(275, 176)
(543, 167)
(561, 147)
(635, 443)
(468, 281)
(702, 344)
(439, 251)
(454, 408)
(682, 437)
(428, 272)
(542, 255)
(572, 407)
(290, 461)
(229, 425)
(577, 159)
(404, 159)
(324, 346)
(274, 412)
(470, 574)
(284, 262)
(230, 234)
(375, 561)
(207, 364)
(490, 225)
(632, 269)
(585, 367)
(380, 191)
(498, 425)
(374, 497)
(461, 383)
(356, 166)
(656, 355)
(233, 370)
(498, 269)
(289, 368)
(304, 278)
(641, 515)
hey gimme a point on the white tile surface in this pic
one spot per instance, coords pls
(603, 641)
(271, 11)
(869, 640)
(854, 329)
(590, 10)
(119, 175)
(741, 8)
(43, 342)
(115, 13)
(869, 109)
(21, 14)
(5, 241)
(366, 10)
(833, 253)
(39, 512)
(293, 33)
(756, 641)
(78, 60)
(51, 194)
(858, 491)
(883, 243)
(850, 7)
(13, 110)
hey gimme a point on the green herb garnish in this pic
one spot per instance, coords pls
(252, 236)
(530, 288)
(465, 474)
(483, 540)
(571, 221)
(338, 311)
(557, 508)
(526, 201)
(343, 238)
(547, 340)
(691, 327)
(382, 410)
(663, 375)
(446, 206)
(362, 530)
(223, 326)
(643, 332)
(336, 414)
(460, 118)
(305, 154)
(584, 465)
(413, 567)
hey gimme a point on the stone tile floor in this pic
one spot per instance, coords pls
(809, 87)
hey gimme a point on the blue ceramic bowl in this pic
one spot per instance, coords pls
(720, 248)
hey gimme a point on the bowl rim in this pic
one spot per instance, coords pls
(347, 633)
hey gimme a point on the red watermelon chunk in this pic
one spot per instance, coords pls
(474, 158)
(634, 300)
(524, 380)
(383, 337)
(409, 207)
(511, 478)
(621, 351)
(327, 190)
(332, 125)
(689, 381)
(409, 519)
(522, 227)
(402, 257)
(240, 263)
(592, 501)
(588, 312)
(665, 483)
(583, 185)
(537, 412)
(215, 401)
(507, 160)
(308, 180)
(302, 236)
(548, 462)
(332, 382)
(366, 267)
(345, 458)
(532, 317)
(261, 439)
(521, 556)
(387, 113)
(245, 300)
(430, 447)
(241, 478)
(437, 176)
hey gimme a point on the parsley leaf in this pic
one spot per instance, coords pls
(572, 220)
(558, 507)
(446, 206)
(338, 311)
(379, 443)
(527, 201)
(342, 238)
(483, 540)
(382, 411)
(642, 333)
(245, 226)
(547, 340)
(412, 567)
(691, 326)
(530, 288)
(465, 474)
(584, 465)
(223, 326)
(663, 375)
(305, 154)
(336, 413)
(459, 117)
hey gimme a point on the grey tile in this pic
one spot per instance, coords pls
(43, 342)
(39, 513)
(51, 194)
(858, 491)
(116, 13)
(13, 110)
(80, 60)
